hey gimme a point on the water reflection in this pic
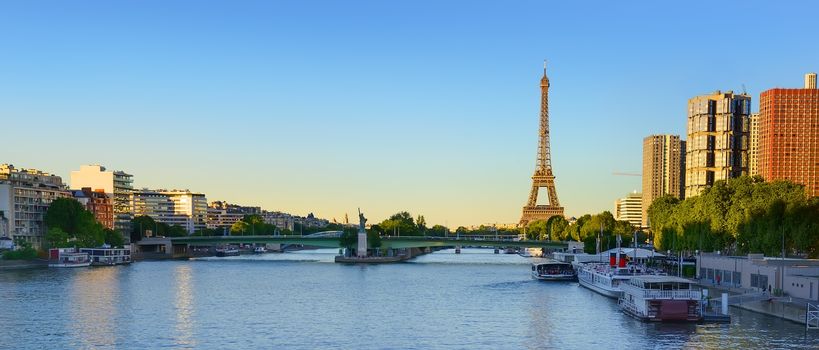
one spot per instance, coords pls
(184, 307)
(94, 295)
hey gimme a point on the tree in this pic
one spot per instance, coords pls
(79, 224)
(140, 225)
(57, 238)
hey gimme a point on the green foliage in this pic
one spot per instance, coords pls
(402, 224)
(741, 215)
(24, 251)
(70, 217)
(140, 225)
(57, 238)
(349, 238)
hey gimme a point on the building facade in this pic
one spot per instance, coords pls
(789, 135)
(172, 207)
(718, 137)
(663, 169)
(116, 184)
(753, 146)
(794, 277)
(630, 208)
(224, 214)
(98, 203)
(25, 195)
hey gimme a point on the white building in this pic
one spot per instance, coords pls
(795, 277)
(630, 208)
(175, 207)
(116, 184)
(25, 195)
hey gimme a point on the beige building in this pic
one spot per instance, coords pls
(117, 184)
(172, 207)
(25, 195)
(718, 138)
(630, 208)
(663, 169)
(753, 145)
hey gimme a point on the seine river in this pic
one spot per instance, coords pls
(301, 300)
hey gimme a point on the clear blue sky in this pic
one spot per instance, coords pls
(425, 106)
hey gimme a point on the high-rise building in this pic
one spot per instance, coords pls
(718, 137)
(98, 203)
(175, 207)
(663, 169)
(25, 195)
(789, 135)
(117, 184)
(753, 146)
(630, 208)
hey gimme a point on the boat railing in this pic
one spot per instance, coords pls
(662, 294)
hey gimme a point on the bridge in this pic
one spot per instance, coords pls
(331, 240)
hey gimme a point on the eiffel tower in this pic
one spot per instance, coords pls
(543, 177)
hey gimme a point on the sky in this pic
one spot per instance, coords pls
(426, 106)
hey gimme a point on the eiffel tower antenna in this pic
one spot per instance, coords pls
(543, 176)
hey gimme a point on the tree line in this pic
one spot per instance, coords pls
(739, 216)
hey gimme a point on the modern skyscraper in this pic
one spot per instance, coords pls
(543, 176)
(630, 209)
(663, 169)
(25, 195)
(789, 135)
(116, 184)
(753, 146)
(718, 137)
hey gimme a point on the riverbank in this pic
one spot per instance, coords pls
(791, 309)
(22, 264)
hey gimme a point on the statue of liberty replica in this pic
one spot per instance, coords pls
(361, 252)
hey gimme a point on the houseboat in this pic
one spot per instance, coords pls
(67, 257)
(553, 271)
(606, 278)
(108, 256)
(661, 299)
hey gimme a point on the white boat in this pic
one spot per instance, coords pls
(260, 250)
(108, 256)
(67, 257)
(553, 271)
(602, 278)
(530, 252)
(661, 299)
(229, 251)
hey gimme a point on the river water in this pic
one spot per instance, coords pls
(302, 300)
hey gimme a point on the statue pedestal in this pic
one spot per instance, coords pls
(361, 252)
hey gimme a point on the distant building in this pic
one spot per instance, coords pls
(224, 214)
(172, 207)
(663, 169)
(117, 184)
(25, 195)
(718, 137)
(630, 208)
(98, 203)
(280, 220)
(789, 135)
(753, 146)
